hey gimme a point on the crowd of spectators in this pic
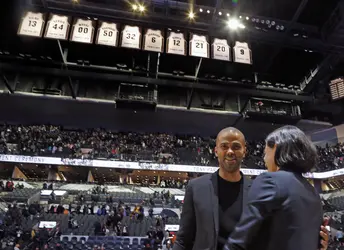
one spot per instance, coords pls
(14, 234)
(47, 140)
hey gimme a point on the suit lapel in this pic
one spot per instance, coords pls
(246, 187)
(213, 186)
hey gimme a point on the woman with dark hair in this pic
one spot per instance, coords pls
(282, 211)
(289, 148)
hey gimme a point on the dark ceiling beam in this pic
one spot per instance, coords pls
(7, 84)
(143, 80)
(213, 19)
(321, 73)
(44, 3)
(289, 28)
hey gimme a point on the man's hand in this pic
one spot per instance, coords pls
(324, 234)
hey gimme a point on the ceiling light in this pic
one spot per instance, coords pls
(220, 13)
(227, 14)
(240, 17)
(247, 18)
(208, 11)
(191, 15)
(200, 10)
(235, 24)
(135, 7)
(142, 8)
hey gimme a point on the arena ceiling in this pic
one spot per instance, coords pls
(303, 44)
(285, 56)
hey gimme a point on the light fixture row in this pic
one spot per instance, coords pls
(220, 14)
(138, 7)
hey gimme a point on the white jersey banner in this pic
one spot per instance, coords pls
(57, 27)
(82, 31)
(131, 37)
(242, 53)
(32, 24)
(199, 46)
(176, 44)
(221, 50)
(107, 34)
(153, 40)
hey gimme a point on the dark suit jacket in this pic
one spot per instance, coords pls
(199, 224)
(283, 212)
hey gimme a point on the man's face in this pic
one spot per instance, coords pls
(230, 150)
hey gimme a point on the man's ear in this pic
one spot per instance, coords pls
(215, 150)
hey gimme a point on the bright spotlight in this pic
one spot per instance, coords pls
(135, 7)
(75, 1)
(227, 14)
(220, 13)
(208, 11)
(240, 17)
(191, 15)
(247, 18)
(142, 8)
(200, 10)
(234, 24)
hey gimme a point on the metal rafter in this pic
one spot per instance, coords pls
(320, 73)
(7, 84)
(323, 71)
(144, 80)
(64, 64)
(213, 20)
(44, 3)
(289, 27)
(192, 89)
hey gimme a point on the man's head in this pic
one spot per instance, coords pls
(230, 149)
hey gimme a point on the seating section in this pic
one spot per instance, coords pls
(89, 187)
(20, 195)
(337, 202)
(86, 224)
(108, 242)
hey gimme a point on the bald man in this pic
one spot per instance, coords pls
(214, 202)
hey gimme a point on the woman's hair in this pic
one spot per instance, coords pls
(294, 151)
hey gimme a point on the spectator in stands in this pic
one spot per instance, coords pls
(283, 210)
(98, 228)
(43, 237)
(9, 186)
(25, 212)
(125, 230)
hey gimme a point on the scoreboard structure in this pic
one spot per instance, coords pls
(81, 30)
(337, 88)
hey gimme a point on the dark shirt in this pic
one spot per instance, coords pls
(230, 208)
